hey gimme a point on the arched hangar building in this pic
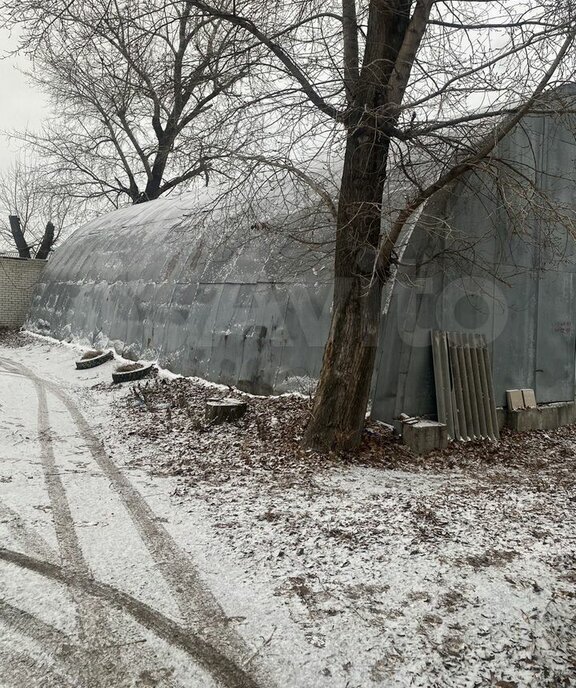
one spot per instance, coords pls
(494, 254)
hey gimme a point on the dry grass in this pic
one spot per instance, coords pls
(129, 367)
(87, 355)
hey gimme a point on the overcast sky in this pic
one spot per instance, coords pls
(22, 105)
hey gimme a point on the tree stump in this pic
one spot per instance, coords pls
(224, 410)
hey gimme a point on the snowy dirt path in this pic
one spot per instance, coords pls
(94, 590)
(141, 548)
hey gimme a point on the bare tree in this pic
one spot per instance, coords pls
(32, 217)
(414, 89)
(141, 92)
(415, 92)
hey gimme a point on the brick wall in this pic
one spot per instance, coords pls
(17, 279)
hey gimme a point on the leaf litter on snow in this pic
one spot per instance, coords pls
(455, 569)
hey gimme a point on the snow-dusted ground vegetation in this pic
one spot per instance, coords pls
(383, 569)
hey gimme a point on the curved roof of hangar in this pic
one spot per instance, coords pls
(233, 303)
(175, 239)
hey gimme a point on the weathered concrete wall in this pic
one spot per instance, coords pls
(18, 276)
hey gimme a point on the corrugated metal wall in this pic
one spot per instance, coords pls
(256, 313)
(247, 311)
(492, 256)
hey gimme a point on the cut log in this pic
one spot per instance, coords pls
(224, 410)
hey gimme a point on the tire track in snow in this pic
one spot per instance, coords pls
(50, 639)
(31, 626)
(68, 542)
(46, 636)
(27, 537)
(93, 617)
(18, 669)
(198, 606)
(216, 663)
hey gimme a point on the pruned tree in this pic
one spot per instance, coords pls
(32, 217)
(414, 89)
(141, 92)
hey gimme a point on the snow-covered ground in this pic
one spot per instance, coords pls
(184, 554)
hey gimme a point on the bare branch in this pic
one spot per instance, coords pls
(389, 241)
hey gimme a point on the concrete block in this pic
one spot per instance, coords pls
(547, 417)
(515, 399)
(529, 398)
(424, 436)
(557, 415)
(522, 420)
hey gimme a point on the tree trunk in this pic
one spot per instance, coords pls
(344, 387)
(47, 243)
(152, 190)
(156, 175)
(18, 234)
(343, 390)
